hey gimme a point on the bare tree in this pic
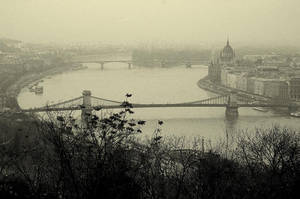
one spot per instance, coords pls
(272, 159)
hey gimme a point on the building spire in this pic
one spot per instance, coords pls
(227, 41)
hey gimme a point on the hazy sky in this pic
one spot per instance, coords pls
(180, 21)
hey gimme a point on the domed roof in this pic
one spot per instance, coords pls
(227, 54)
(227, 49)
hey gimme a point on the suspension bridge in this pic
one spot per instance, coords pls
(87, 103)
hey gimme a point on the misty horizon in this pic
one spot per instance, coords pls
(134, 22)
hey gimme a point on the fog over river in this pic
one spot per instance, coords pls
(158, 85)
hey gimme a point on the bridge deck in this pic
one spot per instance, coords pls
(183, 105)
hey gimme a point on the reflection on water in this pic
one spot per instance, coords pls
(159, 85)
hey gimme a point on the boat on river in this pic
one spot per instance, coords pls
(261, 109)
(39, 90)
(295, 114)
(80, 67)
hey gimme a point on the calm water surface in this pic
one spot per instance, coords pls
(159, 85)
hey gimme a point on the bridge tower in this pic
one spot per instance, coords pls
(232, 106)
(87, 107)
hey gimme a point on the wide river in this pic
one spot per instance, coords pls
(158, 85)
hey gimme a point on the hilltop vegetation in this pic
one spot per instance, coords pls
(58, 158)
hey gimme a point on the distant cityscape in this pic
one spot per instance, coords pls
(271, 75)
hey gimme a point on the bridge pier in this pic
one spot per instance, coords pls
(129, 65)
(102, 65)
(86, 110)
(231, 112)
(232, 107)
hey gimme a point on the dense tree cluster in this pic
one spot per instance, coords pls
(59, 158)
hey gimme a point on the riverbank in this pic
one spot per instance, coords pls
(14, 89)
(207, 85)
(12, 121)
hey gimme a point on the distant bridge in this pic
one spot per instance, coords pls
(160, 62)
(102, 62)
(86, 103)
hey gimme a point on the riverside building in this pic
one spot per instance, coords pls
(226, 59)
(268, 80)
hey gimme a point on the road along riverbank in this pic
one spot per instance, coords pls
(208, 85)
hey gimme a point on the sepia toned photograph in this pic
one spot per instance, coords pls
(149, 99)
